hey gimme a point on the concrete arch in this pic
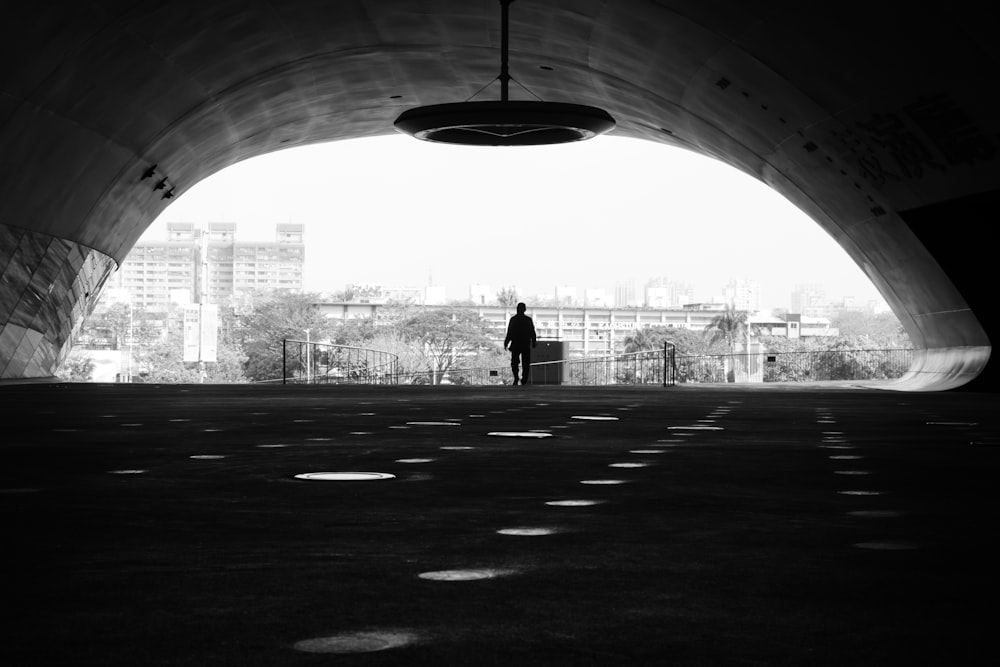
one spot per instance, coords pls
(881, 126)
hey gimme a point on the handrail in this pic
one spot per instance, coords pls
(332, 363)
(359, 365)
(668, 352)
(795, 366)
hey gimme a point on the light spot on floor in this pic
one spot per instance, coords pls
(358, 642)
(527, 532)
(888, 546)
(345, 476)
(464, 575)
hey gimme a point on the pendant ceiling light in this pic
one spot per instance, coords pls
(504, 123)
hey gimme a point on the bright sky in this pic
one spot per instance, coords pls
(401, 212)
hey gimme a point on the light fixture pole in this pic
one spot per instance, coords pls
(131, 338)
(308, 358)
(504, 50)
(202, 300)
(504, 122)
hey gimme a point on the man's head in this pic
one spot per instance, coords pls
(521, 308)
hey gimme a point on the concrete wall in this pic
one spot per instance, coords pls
(872, 120)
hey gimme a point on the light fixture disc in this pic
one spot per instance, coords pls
(525, 123)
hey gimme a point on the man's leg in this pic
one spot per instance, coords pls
(513, 364)
(526, 363)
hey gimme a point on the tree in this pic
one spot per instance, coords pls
(507, 297)
(849, 358)
(116, 318)
(230, 357)
(639, 340)
(120, 321)
(394, 313)
(355, 332)
(408, 355)
(685, 341)
(346, 295)
(489, 358)
(689, 347)
(791, 358)
(162, 361)
(875, 329)
(728, 326)
(276, 316)
(444, 336)
(78, 367)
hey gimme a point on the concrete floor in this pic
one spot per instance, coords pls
(779, 525)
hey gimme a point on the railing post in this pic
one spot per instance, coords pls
(284, 360)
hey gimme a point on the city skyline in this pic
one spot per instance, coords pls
(241, 264)
(396, 212)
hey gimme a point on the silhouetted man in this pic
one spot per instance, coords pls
(521, 338)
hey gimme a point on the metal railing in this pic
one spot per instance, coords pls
(459, 376)
(810, 366)
(655, 367)
(649, 367)
(307, 362)
(323, 363)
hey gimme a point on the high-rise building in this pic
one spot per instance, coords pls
(625, 295)
(155, 273)
(261, 265)
(661, 292)
(743, 294)
(809, 300)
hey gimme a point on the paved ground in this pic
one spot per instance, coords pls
(156, 525)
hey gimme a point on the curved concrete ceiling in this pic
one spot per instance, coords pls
(882, 126)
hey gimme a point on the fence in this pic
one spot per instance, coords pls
(655, 367)
(315, 363)
(461, 376)
(811, 366)
(305, 362)
(651, 367)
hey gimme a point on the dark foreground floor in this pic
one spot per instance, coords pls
(164, 525)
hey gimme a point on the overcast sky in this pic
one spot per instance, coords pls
(401, 212)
